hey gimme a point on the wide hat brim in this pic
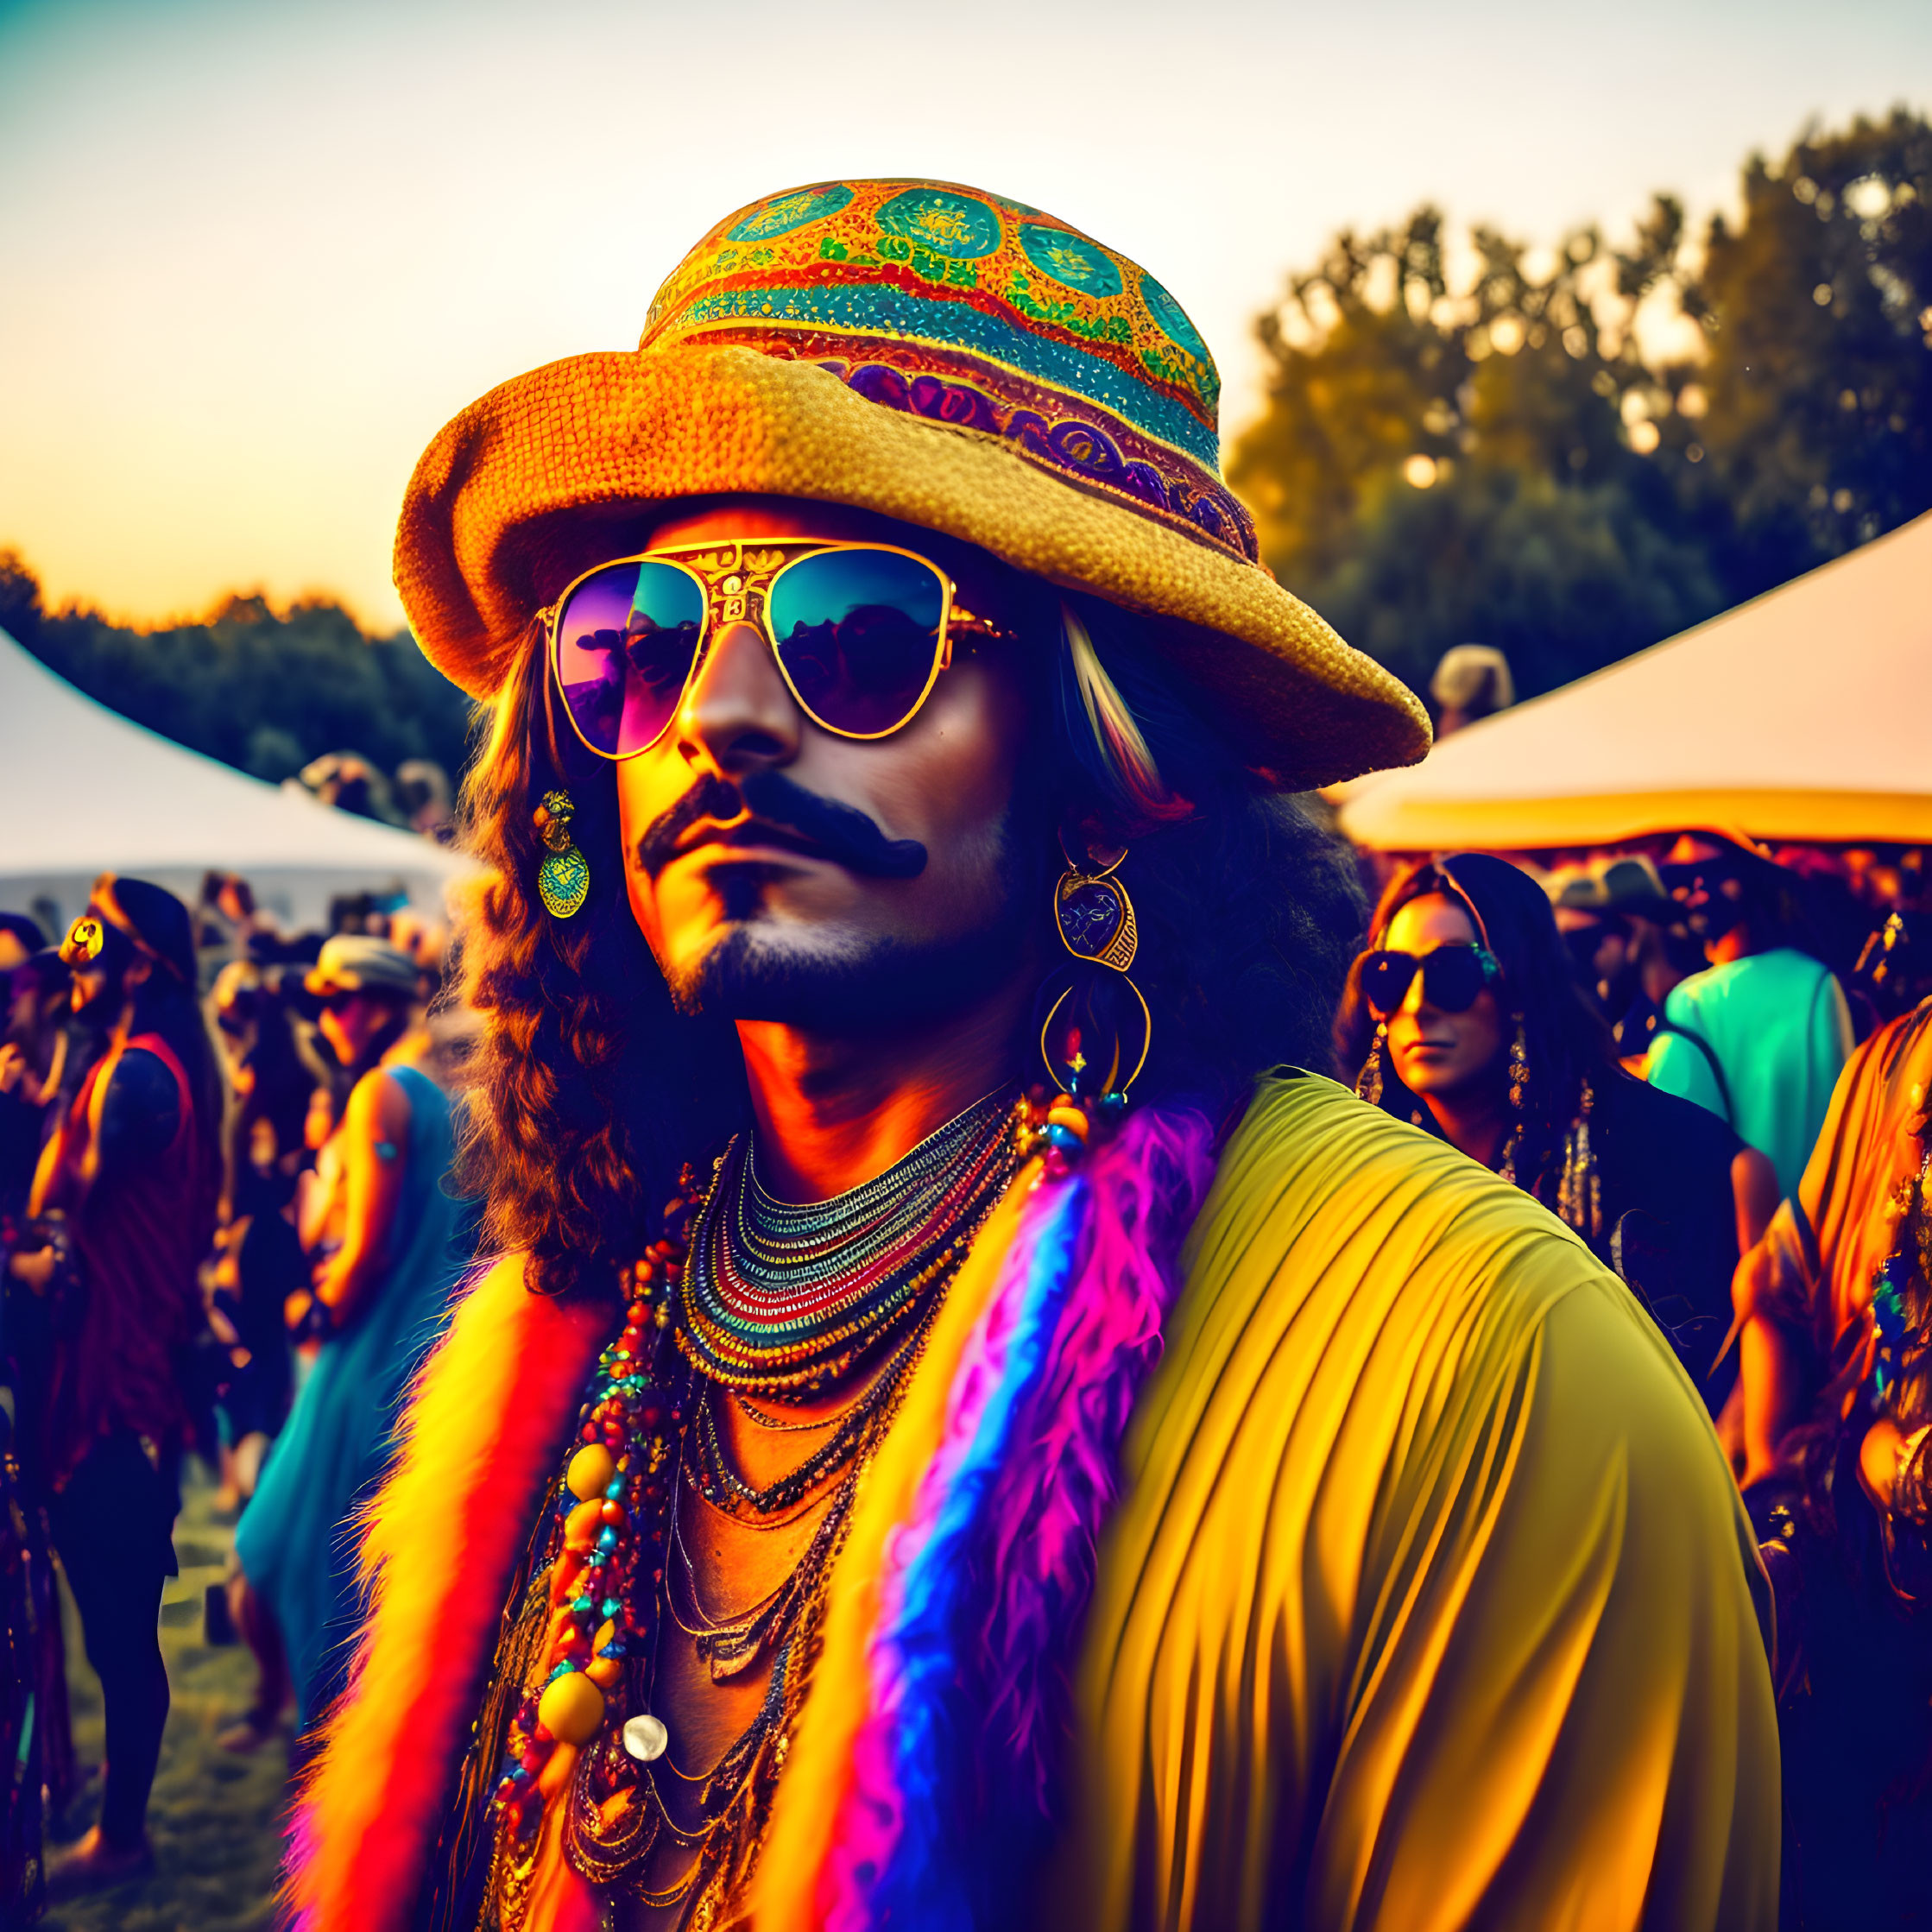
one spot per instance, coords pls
(537, 481)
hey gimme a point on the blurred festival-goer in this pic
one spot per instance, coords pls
(32, 1050)
(20, 938)
(1835, 1304)
(380, 1298)
(269, 1082)
(126, 1193)
(36, 1744)
(348, 781)
(423, 794)
(226, 917)
(1464, 1017)
(1629, 943)
(1761, 1037)
(1472, 681)
(1893, 971)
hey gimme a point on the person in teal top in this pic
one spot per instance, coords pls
(381, 1297)
(1761, 1037)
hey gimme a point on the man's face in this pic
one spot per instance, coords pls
(753, 917)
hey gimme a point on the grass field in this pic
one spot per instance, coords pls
(215, 1818)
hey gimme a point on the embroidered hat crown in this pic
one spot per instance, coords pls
(963, 307)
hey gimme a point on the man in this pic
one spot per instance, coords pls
(1761, 1036)
(129, 1178)
(884, 829)
(1836, 1309)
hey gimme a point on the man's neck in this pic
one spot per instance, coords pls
(834, 1110)
(1729, 946)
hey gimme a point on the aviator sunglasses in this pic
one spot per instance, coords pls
(860, 631)
(1452, 977)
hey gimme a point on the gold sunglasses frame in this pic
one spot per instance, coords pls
(730, 577)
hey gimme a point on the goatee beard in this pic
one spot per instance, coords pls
(868, 985)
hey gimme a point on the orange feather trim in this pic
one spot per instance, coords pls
(483, 1434)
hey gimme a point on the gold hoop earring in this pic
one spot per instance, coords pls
(1097, 1029)
(563, 878)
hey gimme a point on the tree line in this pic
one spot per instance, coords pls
(1526, 462)
(263, 690)
(1592, 447)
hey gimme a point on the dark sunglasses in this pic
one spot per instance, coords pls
(1452, 977)
(861, 632)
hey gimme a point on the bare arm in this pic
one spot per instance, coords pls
(1754, 1190)
(374, 1143)
(1771, 1368)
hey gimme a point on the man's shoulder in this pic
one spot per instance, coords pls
(1366, 1314)
(1327, 1210)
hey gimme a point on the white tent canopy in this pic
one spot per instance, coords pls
(83, 790)
(1804, 715)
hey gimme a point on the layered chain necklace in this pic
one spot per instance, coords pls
(784, 1300)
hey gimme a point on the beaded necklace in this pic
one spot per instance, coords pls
(783, 1300)
(752, 1294)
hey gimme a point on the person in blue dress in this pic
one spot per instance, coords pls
(383, 1278)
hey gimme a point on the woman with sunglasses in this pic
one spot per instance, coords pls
(1464, 1016)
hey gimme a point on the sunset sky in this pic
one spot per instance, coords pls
(256, 254)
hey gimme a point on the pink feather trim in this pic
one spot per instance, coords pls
(869, 1824)
(1050, 1502)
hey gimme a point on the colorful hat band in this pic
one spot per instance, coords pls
(978, 312)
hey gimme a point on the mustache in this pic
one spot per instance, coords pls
(841, 832)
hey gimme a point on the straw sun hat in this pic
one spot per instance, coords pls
(928, 352)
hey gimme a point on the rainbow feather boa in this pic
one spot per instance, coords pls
(926, 1782)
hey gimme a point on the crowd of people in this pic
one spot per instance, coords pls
(1658, 1052)
(223, 1152)
(224, 1160)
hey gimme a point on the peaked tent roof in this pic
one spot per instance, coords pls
(84, 791)
(1805, 714)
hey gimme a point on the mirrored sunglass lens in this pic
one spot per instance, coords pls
(858, 633)
(626, 639)
(1384, 980)
(1451, 978)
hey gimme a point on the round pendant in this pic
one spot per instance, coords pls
(1096, 921)
(563, 881)
(644, 1737)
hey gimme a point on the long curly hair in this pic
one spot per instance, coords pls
(1565, 1040)
(588, 1092)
